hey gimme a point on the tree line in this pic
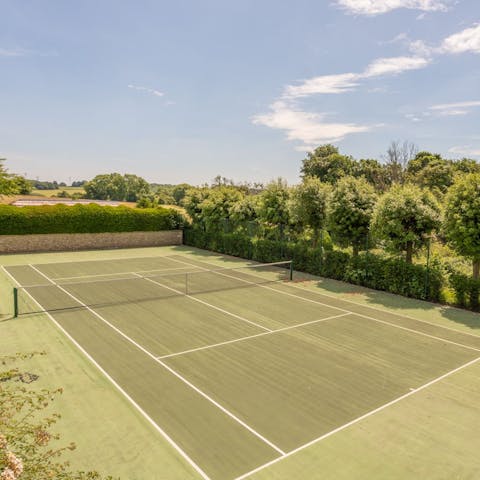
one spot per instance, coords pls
(399, 206)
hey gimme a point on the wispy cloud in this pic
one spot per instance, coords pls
(465, 150)
(394, 66)
(455, 109)
(377, 7)
(157, 93)
(311, 129)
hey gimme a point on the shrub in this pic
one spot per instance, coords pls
(85, 219)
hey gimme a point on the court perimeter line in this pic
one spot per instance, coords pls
(167, 367)
(241, 339)
(441, 339)
(116, 385)
(205, 303)
(358, 419)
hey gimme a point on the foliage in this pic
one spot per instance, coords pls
(467, 290)
(114, 186)
(11, 184)
(374, 173)
(85, 219)
(462, 218)
(431, 171)
(26, 450)
(273, 207)
(179, 192)
(43, 185)
(369, 270)
(327, 164)
(350, 212)
(308, 205)
(404, 218)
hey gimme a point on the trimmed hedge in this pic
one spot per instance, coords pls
(467, 291)
(89, 218)
(374, 271)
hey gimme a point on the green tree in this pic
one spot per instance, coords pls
(179, 192)
(327, 164)
(462, 218)
(405, 217)
(8, 183)
(431, 171)
(273, 205)
(466, 165)
(309, 205)
(113, 186)
(350, 212)
(244, 211)
(374, 173)
(216, 206)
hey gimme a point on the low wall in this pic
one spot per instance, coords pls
(54, 242)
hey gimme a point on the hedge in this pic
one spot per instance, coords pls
(89, 218)
(467, 291)
(374, 271)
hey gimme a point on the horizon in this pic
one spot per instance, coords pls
(182, 93)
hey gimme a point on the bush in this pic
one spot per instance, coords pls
(467, 291)
(85, 219)
(392, 275)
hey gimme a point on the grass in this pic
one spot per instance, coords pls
(290, 384)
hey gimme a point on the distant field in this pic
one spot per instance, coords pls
(54, 193)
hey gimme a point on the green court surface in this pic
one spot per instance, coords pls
(244, 373)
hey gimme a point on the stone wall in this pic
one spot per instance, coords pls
(54, 242)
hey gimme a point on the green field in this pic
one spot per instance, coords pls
(229, 374)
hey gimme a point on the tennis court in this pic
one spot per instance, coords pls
(238, 368)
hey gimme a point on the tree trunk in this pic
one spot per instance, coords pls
(409, 255)
(476, 268)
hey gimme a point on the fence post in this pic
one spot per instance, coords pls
(321, 251)
(15, 302)
(291, 270)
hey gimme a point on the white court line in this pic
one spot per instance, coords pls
(116, 385)
(167, 367)
(119, 273)
(341, 309)
(370, 306)
(243, 319)
(305, 289)
(241, 339)
(359, 419)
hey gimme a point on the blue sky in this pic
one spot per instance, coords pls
(185, 90)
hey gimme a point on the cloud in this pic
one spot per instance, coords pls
(467, 40)
(394, 66)
(454, 109)
(157, 93)
(310, 128)
(324, 84)
(465, 150)
(16, 52)
(377, 7)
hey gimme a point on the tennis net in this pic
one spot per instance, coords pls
(143, 287)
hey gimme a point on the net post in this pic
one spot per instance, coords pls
(15, 302)
(291, 270)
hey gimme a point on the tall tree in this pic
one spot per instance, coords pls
(309, 205)
(462, 218)
(327, 164)
(273, 205)
(350, 213)
(374, 173)
(397, 157)
(405, 217)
